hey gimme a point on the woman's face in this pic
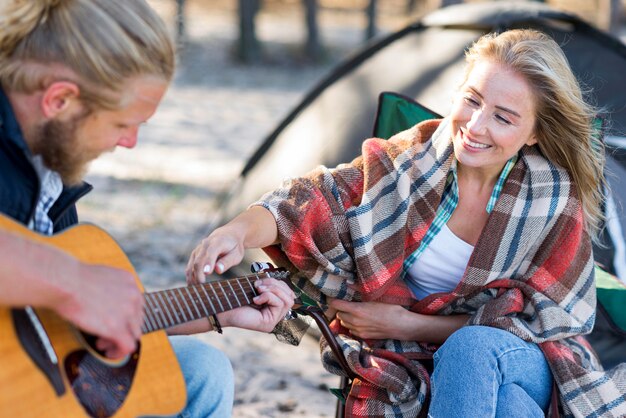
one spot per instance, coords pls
(493, 116)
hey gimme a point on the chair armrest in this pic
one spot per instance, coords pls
(318, 316)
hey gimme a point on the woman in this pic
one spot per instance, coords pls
(77, 79)
(484, 218)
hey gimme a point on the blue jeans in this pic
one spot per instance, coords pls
(487, 372)
(208, 376)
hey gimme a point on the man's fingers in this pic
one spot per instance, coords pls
(116, 348)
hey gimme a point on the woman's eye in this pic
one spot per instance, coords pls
(502, 119)
(471, 101)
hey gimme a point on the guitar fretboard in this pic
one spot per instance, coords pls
(166, 308)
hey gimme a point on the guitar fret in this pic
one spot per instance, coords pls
(254, 292)
(193, 302)
(186, 304)
(159, 311)
(168, 298)
(195, 289)
(248, 301)
(180, 307)
(208, 298)
(147, 319)
(152, 314)
(224, 294)
(217, 297)
(165, 308)
(234, 293)
(162, 311)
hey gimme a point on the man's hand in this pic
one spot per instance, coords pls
(99, 300)
(107, 303)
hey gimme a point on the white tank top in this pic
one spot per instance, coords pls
(441, 266)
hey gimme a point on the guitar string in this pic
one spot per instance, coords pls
(156, 316)
(165, 308)
(149, 317)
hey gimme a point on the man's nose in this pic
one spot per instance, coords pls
(129, 139)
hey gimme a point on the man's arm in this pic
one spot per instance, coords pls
(99, 300)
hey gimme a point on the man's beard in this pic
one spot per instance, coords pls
(62, 151)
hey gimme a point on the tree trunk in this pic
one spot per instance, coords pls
(180, 21)
(249, 49)
(371, 20)
(445, 3)
(313, 45)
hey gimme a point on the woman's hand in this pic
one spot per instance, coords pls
(271, 305)
(218, 252)
(375, 320)
(224, 247)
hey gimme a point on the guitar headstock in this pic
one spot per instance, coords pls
(279, 273)
(259, 267)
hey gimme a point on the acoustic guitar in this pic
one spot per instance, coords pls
(48, 368)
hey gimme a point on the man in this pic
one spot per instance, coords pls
(77, 79)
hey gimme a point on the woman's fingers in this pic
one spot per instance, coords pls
(215, 254)
(285, 296)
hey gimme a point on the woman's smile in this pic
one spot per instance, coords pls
(472, 145)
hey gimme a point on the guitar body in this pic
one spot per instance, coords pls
(148, 383)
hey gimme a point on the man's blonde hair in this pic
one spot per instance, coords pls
(97, 44)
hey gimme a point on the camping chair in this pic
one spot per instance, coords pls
(315, 312)
(396, 113)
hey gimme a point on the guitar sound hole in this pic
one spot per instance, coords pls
(100, 386)
(89, 342)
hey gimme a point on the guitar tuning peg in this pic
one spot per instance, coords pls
(258, 266)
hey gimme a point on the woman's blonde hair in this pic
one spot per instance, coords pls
(564, 130)
(98, 44)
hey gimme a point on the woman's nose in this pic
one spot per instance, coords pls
(477, 123)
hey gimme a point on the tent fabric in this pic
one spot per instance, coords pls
(424, 61)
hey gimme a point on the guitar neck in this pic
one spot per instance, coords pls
(166, 308)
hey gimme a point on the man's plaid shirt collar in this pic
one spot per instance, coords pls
(449, 202)
(51, 188)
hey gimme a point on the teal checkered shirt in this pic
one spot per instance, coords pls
(449, 201)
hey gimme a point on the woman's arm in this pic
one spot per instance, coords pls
(274, 300)
(382, 321)
(224, 247)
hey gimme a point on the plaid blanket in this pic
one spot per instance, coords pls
(345, 233)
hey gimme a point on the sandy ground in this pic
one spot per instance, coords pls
(158, 199)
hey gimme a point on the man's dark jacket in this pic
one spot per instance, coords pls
(19, 182)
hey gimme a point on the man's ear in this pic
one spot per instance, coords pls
(61, 97)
